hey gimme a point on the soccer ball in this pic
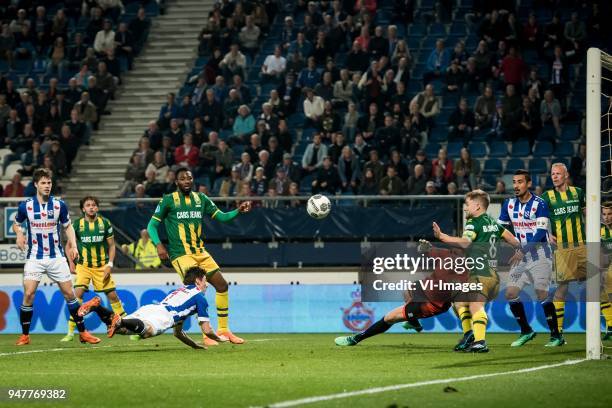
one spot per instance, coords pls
(318, 206)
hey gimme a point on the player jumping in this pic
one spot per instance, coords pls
(527, 216)
(96, 248)
(182, 213)
(178, 306)
(44, 215)
(480, 237)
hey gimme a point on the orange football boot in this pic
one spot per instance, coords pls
(87, 337)
(87, 306)
(24, 340)
(231, 337)
(114, 325)
(210, 342)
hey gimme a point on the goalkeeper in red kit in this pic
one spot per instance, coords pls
(420, 303)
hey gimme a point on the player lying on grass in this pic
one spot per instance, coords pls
(420, 303)
(178, 306)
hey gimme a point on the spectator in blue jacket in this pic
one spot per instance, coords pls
(167, 112)
(437, 63)
(309, 77)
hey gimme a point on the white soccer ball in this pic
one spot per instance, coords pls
(318, 206)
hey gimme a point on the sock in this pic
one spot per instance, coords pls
(222, 302)
(134, 325)
(71, 323)
(73, 308)
(560, 308)
(551, 317)
(479, 320)
(118, 308)
(465, 316)
(25, 317)
(518, 310)
(379, 327)
(104, 314)
(606, 311)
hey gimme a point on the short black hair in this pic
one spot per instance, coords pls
(192, 274)
(523, 172)
(181, 170)
(41, 173)
(88, 198)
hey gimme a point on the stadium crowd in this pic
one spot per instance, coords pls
(61, 63)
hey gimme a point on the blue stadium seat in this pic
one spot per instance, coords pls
(564, 149)
(521, 149)
(437, 29)
(498, 149)
(431, 150)
(438, 134)
(458, 28)
(307, 133)
(543, 149)
(563, 160)
(478, 149)
(417, 30)
(538, 166)
(454, 149)
(569, 132)
(514, 164)
(492, 166)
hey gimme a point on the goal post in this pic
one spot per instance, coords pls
(593, 200)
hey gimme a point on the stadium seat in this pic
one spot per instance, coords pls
(454, 149)
(521, 149)
(560, 160)
(431, 150)
(514, 164)
(478, 149)
(498, 149)
(492, 166)
(538, 166)
(438, 134)
(564, 149)
(569, 132)
(438, 30)
(543, 149)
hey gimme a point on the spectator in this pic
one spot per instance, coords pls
(158, 166)
(500, 188)
(144, 251)
(223, 163)
(301, 46)
(438, 181)
(259, 183)
(357, 59)
(454, 77)
(445, 163)
(343, 91)
(167, 150)
(15, 188)
(230, 186)
(429, 105)
(186, 113)
(348, 170)
(233, 63)
(58, 158)
(391, 184)
(351, 120)
(529, 124)
(291, 168)
(430, 188)
(290, 93)
(512, 104)
(452, 188)
(322, 48)
(513, 69)
(266, 164)
(230, 107)
(313, 155)
(375, 165)
(245, 168)
(294, 191)
(461, 123)
(187, 154)
(437, 63)
(254, 147)
(466, 170)
(484, 109)
(313, 108)
(413, 133)
(330, 121)
(280, 183)
(211, 111)
(106, 81)
(325, 89)
(105, 38)
(58, 58)
(144, 153)
(276, 152)
(327, 179)
(124, 42)
(559, 73)
(7, 44)
(249, 37)
(369, 123)
(274, 65)
(417, 181)
(69, 144)
(168, 111)
(532, 33)
(387, 137)
(244, 124)
(33, 159)
(575, 34)
(309, 76)
(368, 184)
(277, 104)
(550, 111)
(174, 133)
(19, 144)
(577, 168)
(401, 168)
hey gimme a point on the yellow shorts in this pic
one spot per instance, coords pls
(85, 275)
(608, 283)
(570, 264)
(490, 286)
(204, 261)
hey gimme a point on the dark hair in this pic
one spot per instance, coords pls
(522, 172)
(181, 170)
(40, 173)
(607, 204)
(88, 198)
(192, 274)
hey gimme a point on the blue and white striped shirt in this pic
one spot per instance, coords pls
(186, 301)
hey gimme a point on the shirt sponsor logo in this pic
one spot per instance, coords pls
(188, 214)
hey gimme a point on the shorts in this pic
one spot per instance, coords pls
(157, 316)
(490, 287)
(56, 269)
(536, 273)
(204, 261)
(570, 264)
(86, 274)
(421, 310)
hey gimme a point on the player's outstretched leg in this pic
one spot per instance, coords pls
(413, 324)
(381, 326)
(465, 316)
(131, 325)
(222, 302)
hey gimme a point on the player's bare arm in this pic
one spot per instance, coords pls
(180, 334)
(461, 242)
(112, 249)
(71, 246)
(21, 239)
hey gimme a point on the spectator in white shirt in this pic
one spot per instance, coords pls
(313, 108)
(274, 66)
(105, 38)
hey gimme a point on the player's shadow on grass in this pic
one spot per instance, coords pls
(521, 359)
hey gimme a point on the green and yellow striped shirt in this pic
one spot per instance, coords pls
(92, 241)
(182, 216)
(566, 210)
(606, 238)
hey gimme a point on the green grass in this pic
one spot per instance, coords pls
(163, 372)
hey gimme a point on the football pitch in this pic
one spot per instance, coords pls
(419, 370)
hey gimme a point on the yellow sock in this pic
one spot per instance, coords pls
(479, 320)
(71, 323)
(465, 316)
(222, 302)
(560, 308)
(606, 311)
(118, 308)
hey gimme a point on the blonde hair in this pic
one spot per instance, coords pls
(479, 195)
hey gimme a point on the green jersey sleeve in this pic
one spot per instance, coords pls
(209, 207)
(582, 198)
(162, 209)
(469, 230)
(108, 228)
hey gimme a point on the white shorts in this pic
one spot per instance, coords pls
(155, 315)
(56, 269)
(536, 273)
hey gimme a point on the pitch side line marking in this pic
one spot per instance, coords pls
(376, 390)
